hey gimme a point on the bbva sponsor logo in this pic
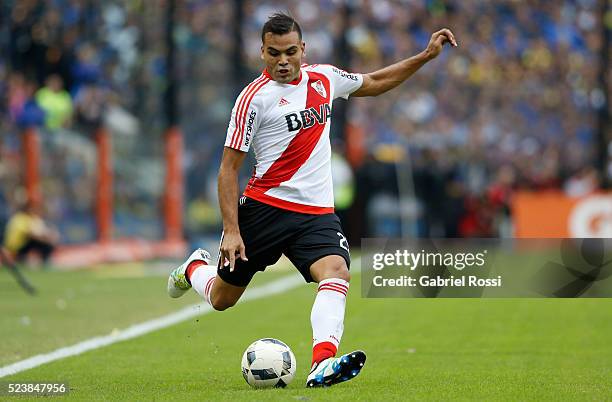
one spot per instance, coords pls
(308, 117)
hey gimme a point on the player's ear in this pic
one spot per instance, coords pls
(262, 52)
(303, 48)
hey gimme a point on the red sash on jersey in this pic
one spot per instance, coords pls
(294, 156)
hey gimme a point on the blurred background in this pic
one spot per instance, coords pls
(113, 115)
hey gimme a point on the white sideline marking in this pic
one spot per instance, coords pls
(272, 288)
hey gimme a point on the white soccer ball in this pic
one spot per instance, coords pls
(268, 363)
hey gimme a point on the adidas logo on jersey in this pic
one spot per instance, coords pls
(283, 102)
(320, 88)
(308, 117)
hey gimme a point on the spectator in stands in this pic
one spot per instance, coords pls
(29, 113)
(56, 102)
(17, 95)
(27, 231)
(89, 106)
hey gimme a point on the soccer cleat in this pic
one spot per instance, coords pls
(336, 369)
(177, 281)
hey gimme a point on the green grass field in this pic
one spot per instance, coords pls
(418, 349)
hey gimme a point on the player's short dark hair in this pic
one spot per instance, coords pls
(280, 24)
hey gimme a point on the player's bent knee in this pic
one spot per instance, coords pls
(337, 270)
(220, 304)
(343, 273)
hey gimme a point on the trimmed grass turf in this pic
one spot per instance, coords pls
(73, 306)
(432, 349)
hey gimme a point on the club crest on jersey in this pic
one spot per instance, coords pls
(308, 117)
(320, 88)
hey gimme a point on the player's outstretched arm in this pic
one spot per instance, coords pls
(232, 243)
(387, 78)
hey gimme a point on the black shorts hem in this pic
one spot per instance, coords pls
(232, 278)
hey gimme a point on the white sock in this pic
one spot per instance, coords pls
(327, 316)
(202, 280)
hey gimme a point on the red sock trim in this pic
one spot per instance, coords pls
(193, 265)
(322, 351)
(208, 288)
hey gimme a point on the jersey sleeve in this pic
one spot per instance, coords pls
(344, 83)
(244, 122)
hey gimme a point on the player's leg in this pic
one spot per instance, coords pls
(321, 254)
(327, 315)
(264, 233)
(327, 319)
(197, 272)
(219, 294)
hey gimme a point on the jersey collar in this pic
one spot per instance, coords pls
(294, 82)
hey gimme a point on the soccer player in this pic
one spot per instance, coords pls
(287, 207)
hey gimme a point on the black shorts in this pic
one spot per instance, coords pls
(268, 232)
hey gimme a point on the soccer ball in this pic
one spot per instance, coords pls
(268, 363)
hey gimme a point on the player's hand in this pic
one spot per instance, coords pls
(231, 248)
(438, 39)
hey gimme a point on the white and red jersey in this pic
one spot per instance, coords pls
(288, 127)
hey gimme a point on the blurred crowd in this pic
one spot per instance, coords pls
(73, 67)
(513, 107)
